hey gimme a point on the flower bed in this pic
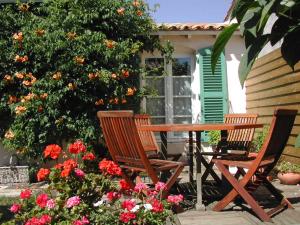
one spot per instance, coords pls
(83, 190)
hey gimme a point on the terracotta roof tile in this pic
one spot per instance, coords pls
(191, 26)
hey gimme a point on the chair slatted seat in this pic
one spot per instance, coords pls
(126, 149)
(259, 167)
(149, 141)
(238, 141)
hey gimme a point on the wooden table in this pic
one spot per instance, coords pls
(197, 128)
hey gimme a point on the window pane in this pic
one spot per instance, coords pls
(158, 120)
(157, 84)
(184, 120)
(155, 66)
(181, 67)
(155, 106)
(182, 86)
(182, 106)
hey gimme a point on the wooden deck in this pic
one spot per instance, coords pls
(240, 214)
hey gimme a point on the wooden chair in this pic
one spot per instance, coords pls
(149, 141)
(238, 142)
(259, 167)
(126, 149)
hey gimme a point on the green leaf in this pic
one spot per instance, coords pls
(291, 47)
(265, 14)
(250, 20)
(297, 144)
(240, 8)
(249, 57)
(220, 43)
(280, 29)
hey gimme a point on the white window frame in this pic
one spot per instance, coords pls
(169, 97)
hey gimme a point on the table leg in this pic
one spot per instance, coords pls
(199, 204)
(191, 158)
(164, 154)
(224, 148)
(164, 144)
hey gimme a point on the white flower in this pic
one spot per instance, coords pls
(148, 207)
(135, 208)
(98, 203)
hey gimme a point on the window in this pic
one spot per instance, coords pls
(172, 81)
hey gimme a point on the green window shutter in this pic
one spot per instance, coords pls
(214, 93)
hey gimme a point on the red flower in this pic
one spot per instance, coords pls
(125, 217)
(109, 167)
(77, 147)
(113, 195)
(89, 156)
(70, 164)
(25, 194)
(45, 219)
(65, 172)
(59, 166)
(42, 174)
(33, 221)
(53, 151)
(128, 204)
(157, 206)
(41, 200)
(124, 185)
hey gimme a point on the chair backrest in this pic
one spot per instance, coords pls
(147, 137)
(240, 139)
(279, 132)
(122, 138)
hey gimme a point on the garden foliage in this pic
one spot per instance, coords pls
(83, 190)
(63, 60)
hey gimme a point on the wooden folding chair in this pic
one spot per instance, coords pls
(126, 149)
(238, 142)
(259, 167)
(149, 141)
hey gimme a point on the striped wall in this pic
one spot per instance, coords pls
(272, 84)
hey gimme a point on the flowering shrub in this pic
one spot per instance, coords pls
(91, 192)
(62, 61)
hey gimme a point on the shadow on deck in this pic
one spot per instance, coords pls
(236, 213)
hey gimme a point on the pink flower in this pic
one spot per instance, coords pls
(160, 186)
(15, 208)
(41, 200)
(25, 194)
(152, 193)
(175, 199)
(128, 204)
(84, 220)
(125, 217)
(79, 173)
(50, 204)
(73, 201)
(113, 195)
(140, 187)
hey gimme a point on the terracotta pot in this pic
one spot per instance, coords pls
(270, 178)
(289, 178)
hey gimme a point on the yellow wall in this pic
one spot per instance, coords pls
(272, 84)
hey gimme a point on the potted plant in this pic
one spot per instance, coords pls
(289, 173)
(214, 136)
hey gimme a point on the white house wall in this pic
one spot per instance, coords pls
(188, 45)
